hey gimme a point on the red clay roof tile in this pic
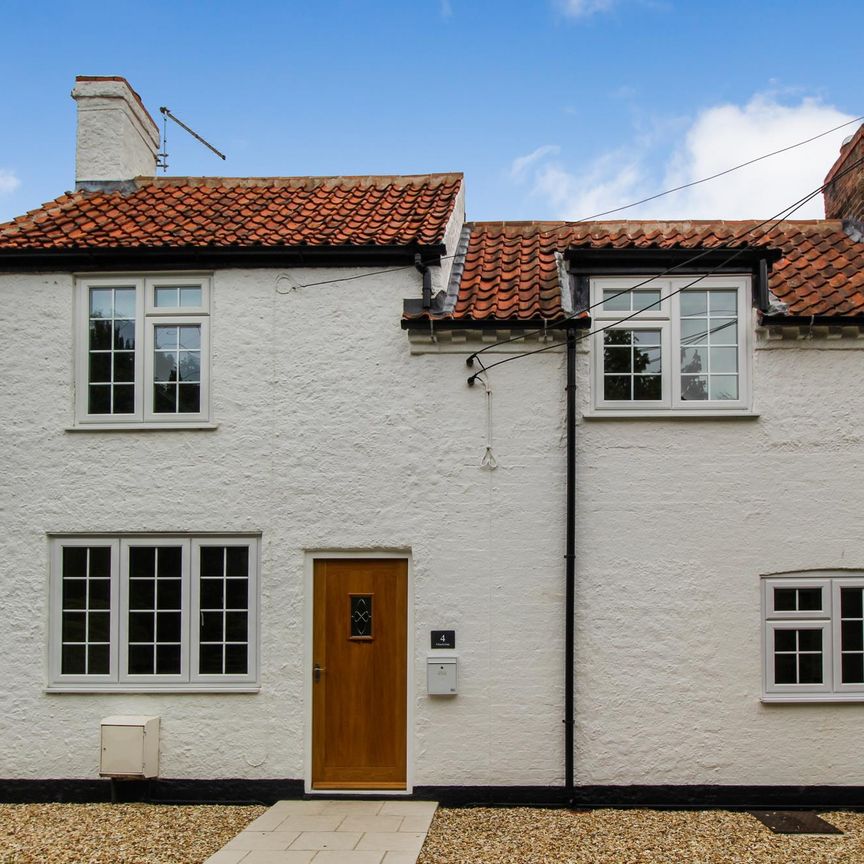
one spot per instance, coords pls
(510, 271)
(211, 212)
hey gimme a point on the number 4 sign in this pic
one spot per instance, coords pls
(443, 639)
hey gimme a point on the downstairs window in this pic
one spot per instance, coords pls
(814, 637)
(153, 612)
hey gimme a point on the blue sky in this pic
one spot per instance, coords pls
(552, 108)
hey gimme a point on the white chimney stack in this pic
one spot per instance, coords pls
(117, 139)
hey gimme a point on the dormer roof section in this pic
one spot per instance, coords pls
(512, 271)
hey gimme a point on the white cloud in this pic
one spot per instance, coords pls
(9, 182)
(584, 8)
(446, 8)
(718, 138)
(519, 167)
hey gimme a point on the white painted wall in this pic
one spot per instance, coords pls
(332, 435)
(676, 520)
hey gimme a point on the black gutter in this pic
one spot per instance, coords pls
(813, 320)
(570, 564)
(422, 324)
(202, 257)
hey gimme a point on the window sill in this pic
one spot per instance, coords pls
(204, 426)
(671, 414)
(89, 689)
(811, 698)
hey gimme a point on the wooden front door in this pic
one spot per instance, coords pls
(359, 677)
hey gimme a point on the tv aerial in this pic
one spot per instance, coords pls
(162, 158)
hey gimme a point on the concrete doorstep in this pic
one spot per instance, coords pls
(332, 832)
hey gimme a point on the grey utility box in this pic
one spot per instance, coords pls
(441, 676)
(130, 747)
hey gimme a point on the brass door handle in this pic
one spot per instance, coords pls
(316, 672)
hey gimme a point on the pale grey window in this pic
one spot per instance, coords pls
(632, 365)
(144, 612)
(223, 637)
(111, 340)
(709, 345)
(85, 610)
(143, 355)
(670, 344)
(814, 636)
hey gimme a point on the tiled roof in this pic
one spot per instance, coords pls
(510, 269)
(177, 212)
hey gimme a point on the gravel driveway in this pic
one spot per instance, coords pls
(159, 834)
(528, 836)
(117, 833)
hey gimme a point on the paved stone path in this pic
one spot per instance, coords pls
(332, 832)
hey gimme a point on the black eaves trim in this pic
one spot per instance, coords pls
(813, 320)
(211, 258)
(267, 792)
(594, 262)
(423, 325)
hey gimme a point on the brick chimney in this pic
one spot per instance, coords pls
(117, 139)
(844, 197)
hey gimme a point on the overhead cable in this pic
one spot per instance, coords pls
(616, 209)
(778, 217)
(720, 173)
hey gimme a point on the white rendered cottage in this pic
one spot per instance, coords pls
(248, 490)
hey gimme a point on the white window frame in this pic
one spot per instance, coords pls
(851, 690)
(665, 401)
(667, 317)
(827, 619)
(147, 317)
(119, 679)
(184, 675)
(771, 686)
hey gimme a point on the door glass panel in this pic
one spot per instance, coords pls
(361, 616)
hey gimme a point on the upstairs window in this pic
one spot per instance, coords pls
(683, 347)
(143, 350)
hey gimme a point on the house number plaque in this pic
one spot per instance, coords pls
(443, 639)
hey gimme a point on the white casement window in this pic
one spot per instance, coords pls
(813, 637)
(143, 350)
(142, 613)
(684, 347)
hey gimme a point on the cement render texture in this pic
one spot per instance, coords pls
(332, 436)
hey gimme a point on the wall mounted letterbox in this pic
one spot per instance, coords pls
(441, 676)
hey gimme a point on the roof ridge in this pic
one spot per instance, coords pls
(227, 212)
(549, 225)
(304, 181)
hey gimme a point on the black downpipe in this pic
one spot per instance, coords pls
(570, 559)
(427, 281)
(763, 301)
